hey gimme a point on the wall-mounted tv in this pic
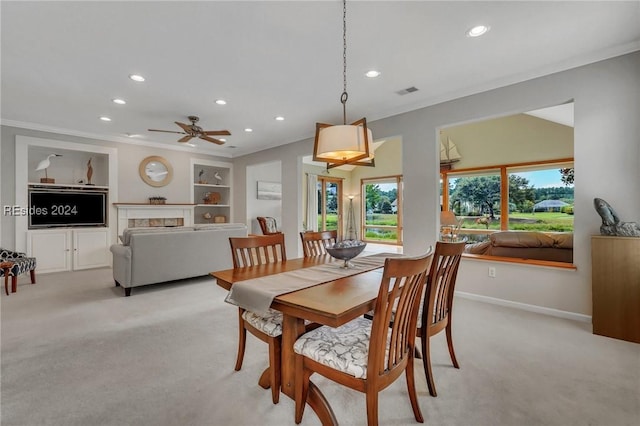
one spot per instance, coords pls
(50, 209)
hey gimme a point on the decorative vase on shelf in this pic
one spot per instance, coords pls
(89, 172)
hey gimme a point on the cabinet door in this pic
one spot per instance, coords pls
(90, 248)
(52, 250)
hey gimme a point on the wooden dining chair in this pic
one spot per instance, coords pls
(260, 250)
(369, 355)
(268, 225)
(315, 243)
(437, 305)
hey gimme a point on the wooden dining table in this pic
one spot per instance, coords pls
(332, 303)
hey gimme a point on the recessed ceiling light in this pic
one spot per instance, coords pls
(477, 31)
(248, 130)
(190, 144)
(279, 118)
(133, 135)
(103, 118)
(372, 74)
(221, 102)
(222, 139)
(136, 77)
(119, 101)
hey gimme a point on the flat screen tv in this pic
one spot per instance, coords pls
(50, 209)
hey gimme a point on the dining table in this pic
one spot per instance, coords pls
(332, 303)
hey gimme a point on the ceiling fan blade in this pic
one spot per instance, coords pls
(185, 127)
(208, 139)
(165, 131)
(185, 139)
(217, 133)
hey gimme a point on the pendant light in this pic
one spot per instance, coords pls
(338, 145)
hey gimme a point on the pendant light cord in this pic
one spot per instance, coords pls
(344, 96)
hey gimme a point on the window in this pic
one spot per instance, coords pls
(529, 197)
(382, 210)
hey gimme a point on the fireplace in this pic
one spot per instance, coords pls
(132, 215)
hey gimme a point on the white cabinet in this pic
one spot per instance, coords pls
(66, 249)
(211, 191)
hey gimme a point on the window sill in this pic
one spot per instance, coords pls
(535, 262)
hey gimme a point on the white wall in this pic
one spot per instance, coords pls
(266, 172)
(607, 165)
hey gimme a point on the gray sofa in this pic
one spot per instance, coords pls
(154, 255)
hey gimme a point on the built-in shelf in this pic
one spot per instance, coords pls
(64, 185)
(211, 185)
(205, 171)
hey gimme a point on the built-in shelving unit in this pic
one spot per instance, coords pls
(65, 247)
(204, 183)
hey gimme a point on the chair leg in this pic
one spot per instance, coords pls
(14, 284)
(411, 388)
(450, 344)
(274, 368)
(426, 361)
(372, 407)
(6, 283)
(33, 276)
(242, 339)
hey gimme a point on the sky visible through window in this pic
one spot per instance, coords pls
(543, 178)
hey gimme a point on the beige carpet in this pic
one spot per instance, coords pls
(75, 352)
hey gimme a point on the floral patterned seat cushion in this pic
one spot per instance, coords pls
(22, 263)
(270, 324)
(345, 348)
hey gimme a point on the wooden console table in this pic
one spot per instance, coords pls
(616, 287)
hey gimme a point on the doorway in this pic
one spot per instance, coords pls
(330, 204)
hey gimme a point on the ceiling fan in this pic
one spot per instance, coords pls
(194, 131)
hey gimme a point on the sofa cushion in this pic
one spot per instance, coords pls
(521, 239)
(126, 234)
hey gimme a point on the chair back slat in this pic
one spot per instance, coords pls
(441, 282)
(315, 243)
(257, 250)
(402, 283)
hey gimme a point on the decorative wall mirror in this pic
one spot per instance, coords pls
(155, 171)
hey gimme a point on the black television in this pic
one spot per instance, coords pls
(51, 209)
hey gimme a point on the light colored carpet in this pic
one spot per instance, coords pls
(76, 352)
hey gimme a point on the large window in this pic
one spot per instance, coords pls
(530, 197)
(382, 210)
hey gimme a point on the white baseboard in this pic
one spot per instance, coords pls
(526, 307)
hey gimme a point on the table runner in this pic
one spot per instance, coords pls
(257, 294)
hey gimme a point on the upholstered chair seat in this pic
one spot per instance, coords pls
(21, 264)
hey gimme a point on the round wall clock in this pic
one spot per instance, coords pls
(155, 171)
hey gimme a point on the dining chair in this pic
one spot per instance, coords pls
(315, 243)
(260, 250)
(436, 308)
(268, 225)
(364, 355)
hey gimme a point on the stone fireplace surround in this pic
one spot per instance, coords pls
(136, 215)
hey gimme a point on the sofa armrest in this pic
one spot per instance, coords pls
(121, 264)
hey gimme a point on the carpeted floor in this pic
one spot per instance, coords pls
(76, 352)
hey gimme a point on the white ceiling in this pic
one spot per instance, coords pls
(63, 62)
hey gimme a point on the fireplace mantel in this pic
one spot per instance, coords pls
(178, 214)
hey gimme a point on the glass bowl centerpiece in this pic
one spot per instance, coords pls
(346, 250)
